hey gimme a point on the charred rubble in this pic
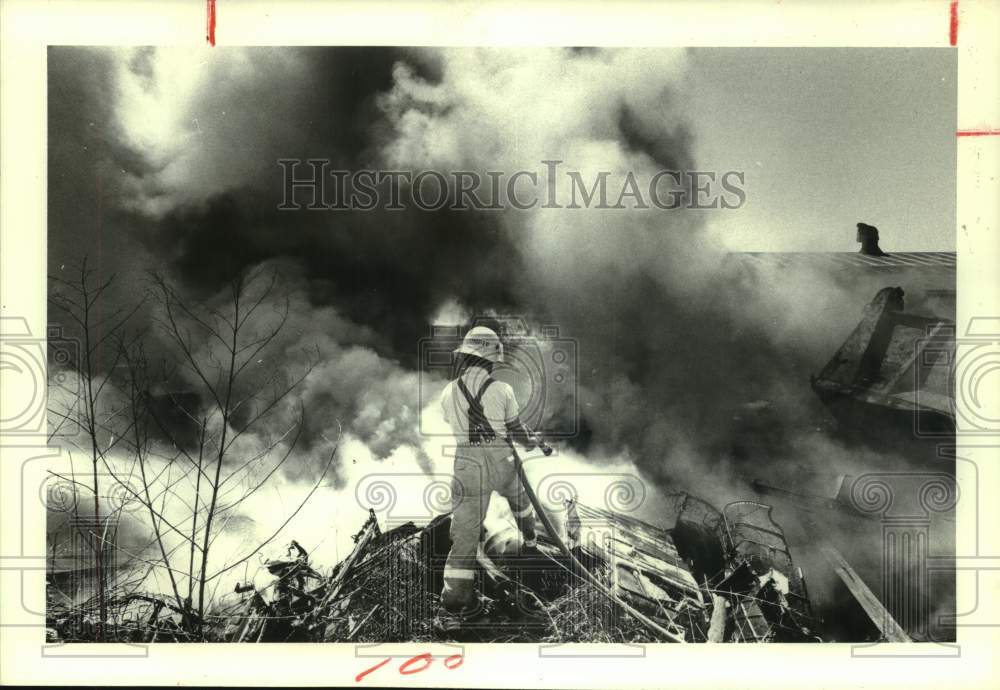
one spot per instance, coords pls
(712, 576)
(724, 576)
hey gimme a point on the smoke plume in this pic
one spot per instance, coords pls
(692, 367)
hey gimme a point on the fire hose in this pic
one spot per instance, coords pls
(579, 570)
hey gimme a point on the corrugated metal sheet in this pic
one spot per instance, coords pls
(645, 568)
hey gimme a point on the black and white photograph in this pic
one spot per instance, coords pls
(387, 344)
(570, 346)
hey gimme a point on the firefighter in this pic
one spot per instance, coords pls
(483, 414)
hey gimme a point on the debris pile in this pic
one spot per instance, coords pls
(585, 614)
(715, 576)
(380, 593)
(724, 576)
(133, 617)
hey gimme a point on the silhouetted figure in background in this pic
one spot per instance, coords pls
(868, 237)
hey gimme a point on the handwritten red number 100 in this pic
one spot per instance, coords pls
(414, 665)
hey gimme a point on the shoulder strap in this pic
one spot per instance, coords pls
(482, 389)
(465, 391)
(474, 401)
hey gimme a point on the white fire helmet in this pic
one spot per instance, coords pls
(482, 342)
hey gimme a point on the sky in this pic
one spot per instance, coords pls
(829, 137)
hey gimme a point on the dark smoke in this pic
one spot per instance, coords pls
(693, 367)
